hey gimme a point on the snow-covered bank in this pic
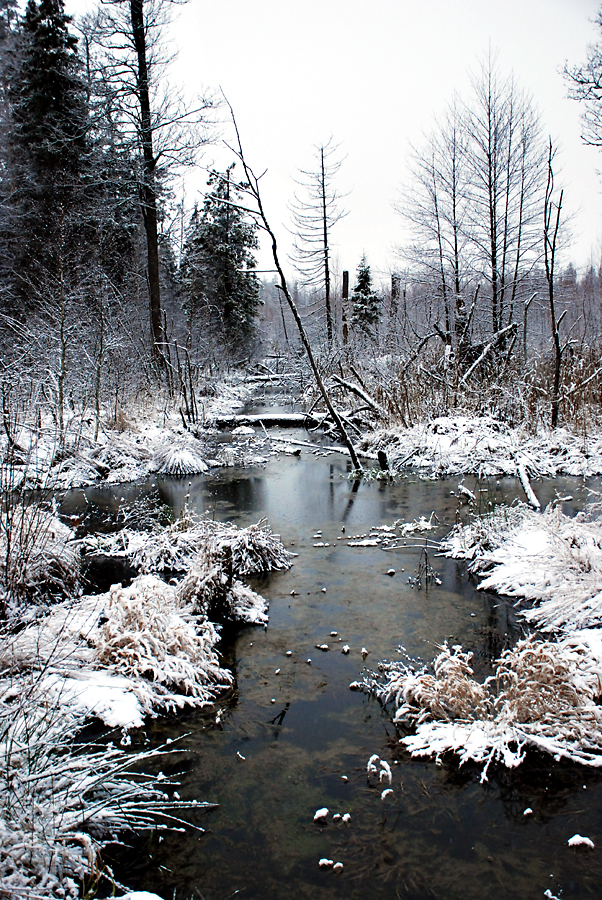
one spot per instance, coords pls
(545, 693)
(62, 803)
(548, 558)
(462, 445)
(149, 437)
(150, 646)
(119, 656)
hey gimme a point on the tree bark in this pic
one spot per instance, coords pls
(148, 192)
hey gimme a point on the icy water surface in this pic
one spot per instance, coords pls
(289, 742)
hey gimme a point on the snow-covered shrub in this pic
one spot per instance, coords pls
(60, 804)
(183, 458)
(148, 633)
(213, 592)
(543, 694)
(547, 557)
(175, 549)
(36, 558)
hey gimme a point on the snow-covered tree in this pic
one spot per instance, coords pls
(218, 266)
(365, 302)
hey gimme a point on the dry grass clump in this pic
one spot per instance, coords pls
(148, 633)
(449, 693)
(36, 557)
(543, 694)
(62, 804)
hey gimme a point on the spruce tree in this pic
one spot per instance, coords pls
(218, 266)
(365, 302)
(48, 108)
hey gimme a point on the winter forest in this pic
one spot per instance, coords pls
(170, 401)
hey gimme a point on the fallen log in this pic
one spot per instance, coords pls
(270, 420)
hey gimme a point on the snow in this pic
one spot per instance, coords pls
(462, 445)
(577, 840)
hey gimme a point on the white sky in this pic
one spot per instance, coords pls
(374, 75)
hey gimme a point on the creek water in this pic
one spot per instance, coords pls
(292, 737)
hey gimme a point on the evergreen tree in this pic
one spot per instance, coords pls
(365, 302)
(47, 172)
(218, 265)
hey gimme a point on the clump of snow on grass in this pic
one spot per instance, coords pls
(578, 841)
(174, 550)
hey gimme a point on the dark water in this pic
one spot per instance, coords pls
(442, 834)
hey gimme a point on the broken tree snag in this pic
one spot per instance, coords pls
(363, 395)
(382, 460)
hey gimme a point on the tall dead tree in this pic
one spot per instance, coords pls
(315, 214)
(551, 224)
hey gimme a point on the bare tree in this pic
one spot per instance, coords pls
(551, 224)
(505, 158)
(474, 207)
(314, 215)
(585, 85)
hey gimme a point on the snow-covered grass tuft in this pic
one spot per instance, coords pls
(543, 694)
(547, 557)
(179, 459)
(147, 633)
(36, 556)
(175, 549)
(60, 804)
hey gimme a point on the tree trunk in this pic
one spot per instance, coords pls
(148, 193)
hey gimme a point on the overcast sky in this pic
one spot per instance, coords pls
(374, 76)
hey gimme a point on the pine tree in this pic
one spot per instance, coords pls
(218, 265)
(365, 302)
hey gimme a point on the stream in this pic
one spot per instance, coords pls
(292, 737)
